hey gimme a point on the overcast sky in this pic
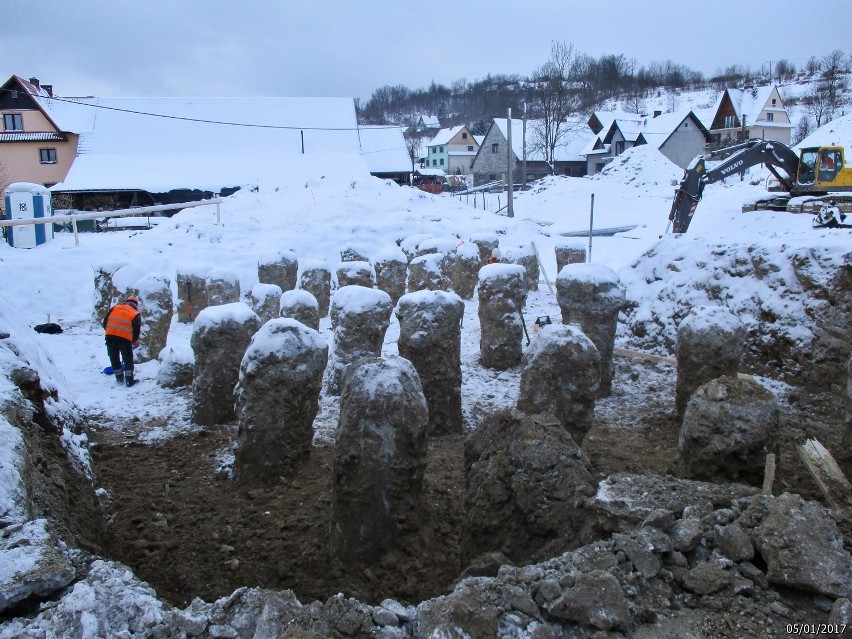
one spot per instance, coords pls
(351, 47)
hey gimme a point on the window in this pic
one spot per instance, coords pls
(470, 148)
(729, 122)
(13, 122)
(773, 101)
(434, 162)
(770, 117)
(464, 136)
(494, 147)
(619, 147)
(442, 161)
(686, 125)
(47, 156)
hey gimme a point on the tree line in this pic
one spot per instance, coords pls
(572, 83)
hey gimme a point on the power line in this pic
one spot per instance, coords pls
(204, 121)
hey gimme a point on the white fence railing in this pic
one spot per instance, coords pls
(97, 215)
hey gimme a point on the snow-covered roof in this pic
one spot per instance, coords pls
(159, 144)
(384, 149)
(569, 149)
(445, 135)
(430, 121)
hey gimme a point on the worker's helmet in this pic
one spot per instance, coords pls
(133, 301)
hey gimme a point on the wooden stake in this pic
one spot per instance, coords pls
(769, 474)
(827, 474)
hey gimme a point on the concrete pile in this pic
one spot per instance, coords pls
(560, 376)
(191, 292)
(301, 306)
(316, 280)
(428, 272)
(277, 398)
(430, 338)
(223, 287)
(355, 274)
(591, 296)
(379, 459)
(265, 300)
(502, 293)
(359, 317)
(219, 339)
(279, 268)
(391, 267)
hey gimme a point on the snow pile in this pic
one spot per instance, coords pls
(642, 167)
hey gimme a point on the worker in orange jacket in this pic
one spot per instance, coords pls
(122, 326)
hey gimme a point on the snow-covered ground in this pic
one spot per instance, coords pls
(55, 281)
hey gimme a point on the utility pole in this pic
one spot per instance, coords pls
(525, 146)
(510, 211)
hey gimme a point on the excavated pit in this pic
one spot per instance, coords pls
(177, 519)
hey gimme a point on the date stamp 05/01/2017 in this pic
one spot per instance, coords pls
(815, 629)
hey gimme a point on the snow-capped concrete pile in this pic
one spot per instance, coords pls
(502, 293)
(279, 268)
(560, 374)
(463, 265)
(430, 338)
(569, 252)
(156, 308)
(301, 306)
(191, 291)
(391, 267)
(316, 279)
(177, 363)
(710, 343)
(728, 428)
(504, 514)
(591, 296)
(379, 459)
(266, 301)
(795, 301)
(277, 398)
(445, 245)
(486, 243)
(428, 272)
(219, 340)
(359, 316)
(355, 273)
(526, 257)
(223, 287)
(106, 293)
(353, 253)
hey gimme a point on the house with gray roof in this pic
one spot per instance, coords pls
(743, 114)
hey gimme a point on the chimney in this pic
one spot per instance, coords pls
(657, 113)
(34, 82)
(48, 88)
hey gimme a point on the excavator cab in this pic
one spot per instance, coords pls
(823, 168)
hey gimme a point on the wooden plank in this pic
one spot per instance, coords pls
(769, 474)
(827, 474)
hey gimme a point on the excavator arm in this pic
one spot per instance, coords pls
(751, 153)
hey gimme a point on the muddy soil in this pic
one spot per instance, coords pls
(176, 518)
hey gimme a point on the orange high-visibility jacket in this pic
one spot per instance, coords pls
(123, 321)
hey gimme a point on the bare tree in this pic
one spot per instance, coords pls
(557, 98)
(413, 146)
(803, 129)
(817, 104)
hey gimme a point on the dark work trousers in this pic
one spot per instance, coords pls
(118, 346)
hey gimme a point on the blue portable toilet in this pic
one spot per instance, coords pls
(25, 201)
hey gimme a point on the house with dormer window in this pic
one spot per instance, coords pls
(743, 114)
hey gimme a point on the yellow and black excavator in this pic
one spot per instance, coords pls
(820, 172)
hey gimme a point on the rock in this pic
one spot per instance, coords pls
(733, 542)
(560, 375)
(803, 548)
(570, 252)
(728, 428)
(277, 398)
(710, 344)
(156, 308)
(596, 599)
(106, 293)
(486, 243)
(379, 459)
(526, 257)
(706, 578)
(502, 293)
(219, 339)
(468, 611)
(353, 253)
(463, 266)
(34, 566)
(279, 268)
(686, 533)
(523, 481)
(840, 617)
